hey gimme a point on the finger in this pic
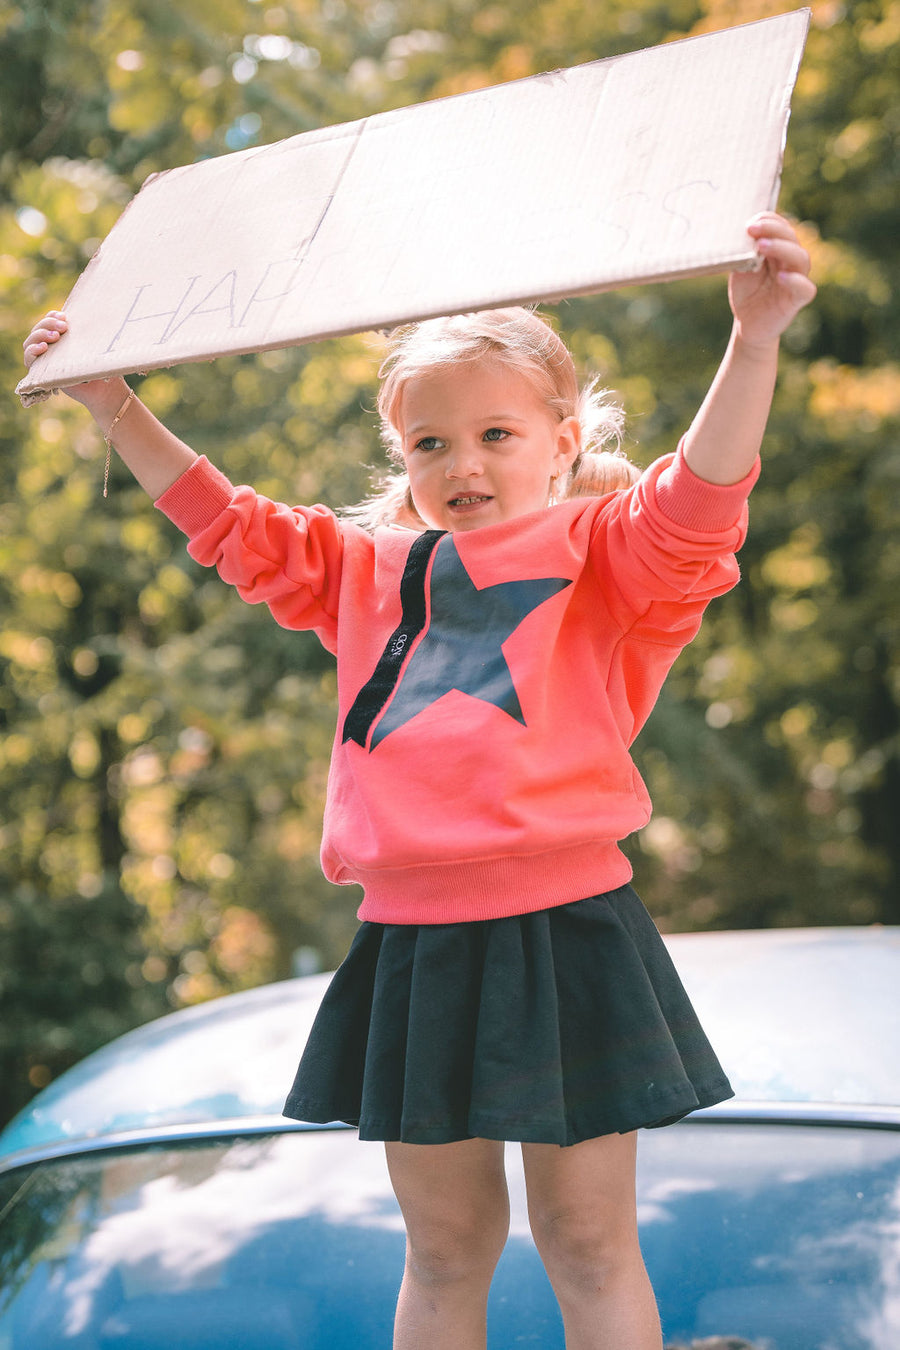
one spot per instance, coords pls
(801, 290)
(43, 334)
(786, 255)
(770, 222)
(48, 324)
(55, 321)
(33, 350)
(49, 330)
(35, 346)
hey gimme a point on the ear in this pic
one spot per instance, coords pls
(568, 445)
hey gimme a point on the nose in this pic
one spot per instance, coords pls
(464, 462)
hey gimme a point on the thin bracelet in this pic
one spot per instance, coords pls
(108, 438)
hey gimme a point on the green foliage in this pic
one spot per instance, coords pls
(163, 748)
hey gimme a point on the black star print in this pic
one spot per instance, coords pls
(461, 649)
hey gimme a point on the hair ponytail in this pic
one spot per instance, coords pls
(602, 465)
(595, 473)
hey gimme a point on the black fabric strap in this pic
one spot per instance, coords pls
(371, 699)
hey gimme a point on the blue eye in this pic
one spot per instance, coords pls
(495, 434)
(429, 443)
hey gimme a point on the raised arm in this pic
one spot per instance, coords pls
(725, 437)
(152, 453)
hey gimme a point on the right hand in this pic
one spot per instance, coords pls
(98, 396)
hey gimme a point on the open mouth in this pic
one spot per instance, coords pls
(470, 499)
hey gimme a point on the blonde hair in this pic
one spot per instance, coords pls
(523, 341)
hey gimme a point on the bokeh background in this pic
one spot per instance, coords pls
(164, 748)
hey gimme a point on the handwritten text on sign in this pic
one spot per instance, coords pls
(633, 221)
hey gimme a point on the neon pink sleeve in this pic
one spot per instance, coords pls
(288, 558)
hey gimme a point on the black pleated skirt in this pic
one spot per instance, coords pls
(550, 1027)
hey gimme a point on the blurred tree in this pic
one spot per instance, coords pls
(163, 748)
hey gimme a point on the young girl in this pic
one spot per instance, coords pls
(500, 640)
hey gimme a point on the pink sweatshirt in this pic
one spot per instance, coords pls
(490, 682)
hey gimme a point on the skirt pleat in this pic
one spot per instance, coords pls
(549, 1027)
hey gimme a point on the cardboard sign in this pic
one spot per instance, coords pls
(635, 168)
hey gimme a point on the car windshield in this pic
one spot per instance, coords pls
(782, 1235)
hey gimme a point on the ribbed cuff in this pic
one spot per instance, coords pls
(196, 498)
(695, 504)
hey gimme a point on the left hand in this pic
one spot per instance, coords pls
(764, 302)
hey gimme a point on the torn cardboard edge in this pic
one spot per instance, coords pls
(635, 168)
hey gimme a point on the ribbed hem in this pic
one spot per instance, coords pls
(196, 498)
(695, 504)
(462, 892)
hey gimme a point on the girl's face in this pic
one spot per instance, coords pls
(480, 445)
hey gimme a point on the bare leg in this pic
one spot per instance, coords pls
(456, 1208)
(581, 1205)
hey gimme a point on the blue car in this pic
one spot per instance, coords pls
(153, 1198)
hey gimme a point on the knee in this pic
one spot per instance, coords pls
(581, 1252)
(456, 1248)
